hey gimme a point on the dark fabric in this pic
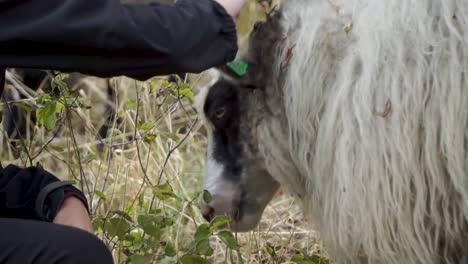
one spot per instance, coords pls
(28, 242)
(2, 81)
(107, 38)
(20, 187)
(47, 190)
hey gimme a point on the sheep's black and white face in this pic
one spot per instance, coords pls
(235, 174)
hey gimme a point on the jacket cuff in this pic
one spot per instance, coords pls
(228, 29)
(52, 196)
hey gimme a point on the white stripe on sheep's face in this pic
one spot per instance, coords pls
(235, 174)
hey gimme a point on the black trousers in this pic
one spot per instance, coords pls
(27, 242)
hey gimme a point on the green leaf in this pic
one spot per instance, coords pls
(163, 192)
(203, 247)
(59, 81)
(130, 104)
(71, 101)
(154, 86)
(88, 158)
(139, 259)
(150, 225)
(239, 67)
(117, 227)
(203, 231)
(187, 93)
(100, 195)
(169, 221)
(169, 250)
(207, 198)
(228, 239)
(301, 259)
(152, 230)
(142, 203)
(148, 138)
(98, 223)
(43, 98)
(271, 251)
(165, 84)
(192, 259)
(130, 209)
(59, 107)
(136, 243)
(145, 126)
(297, 258)
(184, 86)
(319, 260)
(45, 115)
(219, 221)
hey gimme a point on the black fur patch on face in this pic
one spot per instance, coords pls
(222, 108)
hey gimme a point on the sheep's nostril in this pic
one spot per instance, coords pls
(208, 212)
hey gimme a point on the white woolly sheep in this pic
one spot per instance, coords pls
(360, 109)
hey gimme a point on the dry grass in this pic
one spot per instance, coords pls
(176, 156)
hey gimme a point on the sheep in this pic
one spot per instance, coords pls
(359, 108)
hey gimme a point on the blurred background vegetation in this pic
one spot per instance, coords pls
(144, 188)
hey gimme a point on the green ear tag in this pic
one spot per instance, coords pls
(239, 67)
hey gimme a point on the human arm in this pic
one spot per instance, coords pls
(74, 213)
(106, 38)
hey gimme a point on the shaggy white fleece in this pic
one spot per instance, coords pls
(376, 103)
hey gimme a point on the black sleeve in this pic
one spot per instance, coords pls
(106, 38)
(33, 193)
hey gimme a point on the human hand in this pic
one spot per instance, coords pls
(73, 213)
(233, 7)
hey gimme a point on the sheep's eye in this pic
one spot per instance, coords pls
(220, 112)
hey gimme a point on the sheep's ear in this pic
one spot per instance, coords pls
(253, 67)
(244, 72)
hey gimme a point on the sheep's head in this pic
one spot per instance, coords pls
(235, 173)
(233, 107)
